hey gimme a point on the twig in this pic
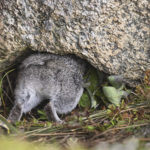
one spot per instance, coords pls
(119, 128)
(37, 130)
(129, 109)
(57, 134)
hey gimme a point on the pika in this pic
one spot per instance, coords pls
(45, 76)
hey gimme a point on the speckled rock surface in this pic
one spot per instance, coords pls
(113, 35)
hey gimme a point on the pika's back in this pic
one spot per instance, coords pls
(53, 72)
(53, 60)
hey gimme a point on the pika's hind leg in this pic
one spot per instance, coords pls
(51, 112)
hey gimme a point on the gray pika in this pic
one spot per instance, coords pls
(48, 76)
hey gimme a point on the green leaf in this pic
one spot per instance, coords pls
(113, 95)
(92, 91)
(84, 101)
(42, 114)
(93, 79)
(90, 127)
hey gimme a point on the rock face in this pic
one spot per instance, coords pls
(113, 35)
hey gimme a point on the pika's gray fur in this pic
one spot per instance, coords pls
(47, 76)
